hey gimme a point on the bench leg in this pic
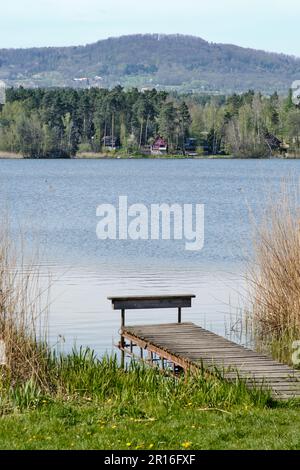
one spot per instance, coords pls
(179, 315)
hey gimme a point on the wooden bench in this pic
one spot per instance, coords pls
(149, 302)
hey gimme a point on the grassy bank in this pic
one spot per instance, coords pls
(91, 404)
(124, 155)
(121, 155)
(138, 156)
(96, 426)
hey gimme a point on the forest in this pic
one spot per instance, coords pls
(46, 123)
(180, 62)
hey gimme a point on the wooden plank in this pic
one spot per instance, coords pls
(141, 302)
(190, 346)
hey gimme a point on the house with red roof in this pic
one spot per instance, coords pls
(159, 147)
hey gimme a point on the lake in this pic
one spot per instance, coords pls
(55, 201)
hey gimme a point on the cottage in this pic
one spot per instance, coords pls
(190, 146)
(159, 147)
(275, 144)
(110, 143)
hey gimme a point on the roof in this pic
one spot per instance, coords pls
(160, 142)
(272, 140)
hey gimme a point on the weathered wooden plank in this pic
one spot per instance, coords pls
(188, 345)
(141, 303)
(262, 373)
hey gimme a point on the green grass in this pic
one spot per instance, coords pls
(96, 426)
(92, 404)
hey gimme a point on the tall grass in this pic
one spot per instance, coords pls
(274, 276)
(139, 392)
(138, 388)
(23, 312)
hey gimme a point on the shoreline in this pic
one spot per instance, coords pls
(102, 156)
(10, 155)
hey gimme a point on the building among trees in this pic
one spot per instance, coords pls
(110, 143)
(190, 146)
(2, 92)
(159, 147)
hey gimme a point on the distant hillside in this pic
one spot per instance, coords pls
(185, 63)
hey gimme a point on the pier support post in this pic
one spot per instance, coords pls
(122, 339)
(179, 315)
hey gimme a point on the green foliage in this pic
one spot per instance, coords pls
(61, 122)
(45, 123)
(180, 62)
(167, 121)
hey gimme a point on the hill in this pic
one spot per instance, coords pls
(184, 63)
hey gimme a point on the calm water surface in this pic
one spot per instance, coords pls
(54, 202)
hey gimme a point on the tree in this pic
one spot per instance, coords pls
(184, 123)
(167, 121)
(30, 135)
(140, 113)
(71, 136)
(294, 128)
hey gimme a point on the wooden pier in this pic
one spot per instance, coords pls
(181, 347)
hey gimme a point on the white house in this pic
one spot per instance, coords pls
(2, 92)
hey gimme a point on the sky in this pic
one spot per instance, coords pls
(271, 25)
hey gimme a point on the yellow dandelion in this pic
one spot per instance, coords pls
(129, 444)
(151, 446)
(186, 445)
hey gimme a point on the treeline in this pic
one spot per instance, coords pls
(61, 122)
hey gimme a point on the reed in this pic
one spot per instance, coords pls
(23, 312)
(274, 276)
(82, 374)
